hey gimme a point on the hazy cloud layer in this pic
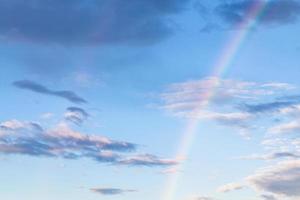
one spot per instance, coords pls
(38, 88)
(92, 22)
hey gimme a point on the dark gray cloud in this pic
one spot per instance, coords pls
(76, 115)
(36, 87)
(111, 191)
(25, 138)
(275, 12)
(93, 22)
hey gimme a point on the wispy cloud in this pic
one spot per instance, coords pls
(268, 197)
(148, 160)
(229, 101)
(203, 198)
(185, 97)
(289, 127)
(272, 156)
(111, 191)
(76, 115)
(38, 88)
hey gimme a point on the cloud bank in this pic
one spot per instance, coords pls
(92, 22)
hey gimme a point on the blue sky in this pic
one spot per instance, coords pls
(97, 98)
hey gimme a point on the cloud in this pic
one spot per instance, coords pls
(26, 138)
(275, 12)
(89, 22)
(203, 198)
(148, 160)
(267, 107)
(281, 179)
(268, 197)
(76, 115)
(272, 156)
(186, 97)
(60, 142)
(230, 187)
(289, 127)
(111, 191)
(16, 125)
(38, 88)
(218, 99)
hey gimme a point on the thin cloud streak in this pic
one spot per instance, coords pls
(38, 88)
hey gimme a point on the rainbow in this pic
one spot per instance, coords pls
(226, 57)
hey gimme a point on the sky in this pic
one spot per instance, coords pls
(150, 99)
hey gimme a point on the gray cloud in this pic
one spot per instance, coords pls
(38, 88)
(275, 12)
(91, 22)
(76, 115)
(111, 191)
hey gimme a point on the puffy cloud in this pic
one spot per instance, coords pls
(38, 88)
(93, 22)
(230, 187)
(275, 12)
(111, 191)
(280, 179)
(76, 115)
